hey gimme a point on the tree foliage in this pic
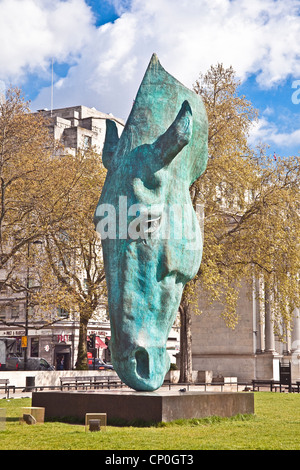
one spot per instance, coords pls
(71, 269)
(24, 149)
(251, 207)
(50, 254)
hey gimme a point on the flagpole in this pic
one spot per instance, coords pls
(51, 86)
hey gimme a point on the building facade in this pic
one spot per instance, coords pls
(250, 351)
(79, 127)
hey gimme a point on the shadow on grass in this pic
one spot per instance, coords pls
(12, 420)
(138, 423)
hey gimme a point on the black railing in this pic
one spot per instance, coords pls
(255, 385)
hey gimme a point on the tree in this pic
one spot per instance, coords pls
(25, 149)
(226, 178)
(228, 182)
(71, 272)
(250, 204)
(50, 255)
(273, 222)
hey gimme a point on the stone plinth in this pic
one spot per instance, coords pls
(128, 407)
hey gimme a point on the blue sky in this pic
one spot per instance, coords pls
(101, 48)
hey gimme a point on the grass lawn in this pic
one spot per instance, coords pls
(275, 426)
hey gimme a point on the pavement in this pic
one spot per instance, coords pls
(11, 395)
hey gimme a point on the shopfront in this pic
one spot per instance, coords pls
(57, 345)
(98, 344)
(62, 357)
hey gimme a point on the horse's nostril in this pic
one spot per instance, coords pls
(142, 363)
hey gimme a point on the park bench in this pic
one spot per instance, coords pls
(271, 384)
(107, 381)
(275, 385)
(75, 382)
(296, 387)
(89, 382)
(4, 384)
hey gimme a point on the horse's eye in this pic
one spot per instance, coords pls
(152, 225)
(149, 227)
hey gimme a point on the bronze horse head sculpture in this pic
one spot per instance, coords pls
(151, 239)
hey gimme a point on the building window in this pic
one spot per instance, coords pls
(14, 311)
(2, 313)
(34, 349)
(33, 283)
(87, 142)
(62, 312)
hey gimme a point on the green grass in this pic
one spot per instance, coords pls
(275, 426)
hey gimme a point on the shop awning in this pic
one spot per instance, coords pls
(100, 344)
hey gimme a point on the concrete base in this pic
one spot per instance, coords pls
(129, 407)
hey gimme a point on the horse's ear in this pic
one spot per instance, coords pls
(110, 143)
(177, 136)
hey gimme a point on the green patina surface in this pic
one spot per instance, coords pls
(150, 234)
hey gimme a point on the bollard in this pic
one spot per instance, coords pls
(94, 425)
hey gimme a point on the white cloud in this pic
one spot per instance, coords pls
(34, 31)
(265, 131)
(258, 37)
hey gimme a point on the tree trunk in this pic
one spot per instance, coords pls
(82, 362)
(185, 342)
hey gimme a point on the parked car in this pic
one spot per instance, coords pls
(33, 363)
(98, 364)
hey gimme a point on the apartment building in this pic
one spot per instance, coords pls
(79, 127)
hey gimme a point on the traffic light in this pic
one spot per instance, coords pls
(91, 342)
